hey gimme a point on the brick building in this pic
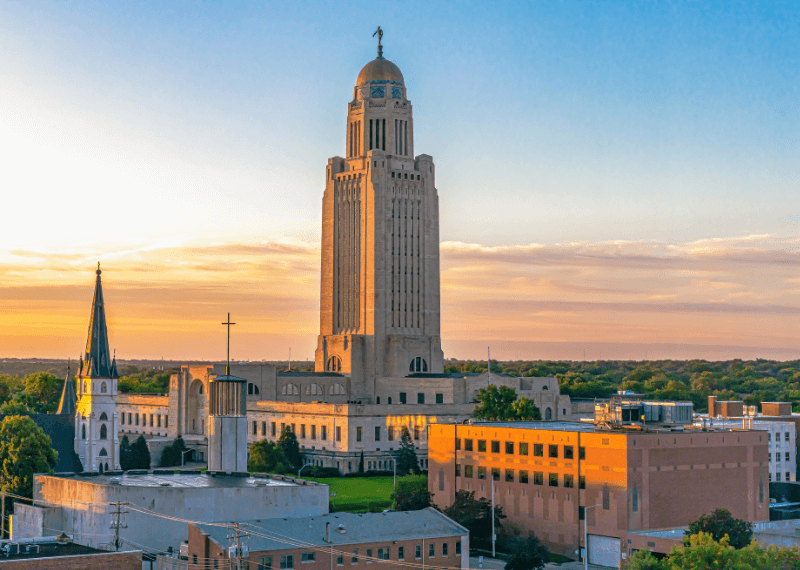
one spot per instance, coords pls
(546, 474)
(61, 553)
(336, 540)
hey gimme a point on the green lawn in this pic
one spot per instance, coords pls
(358, 494)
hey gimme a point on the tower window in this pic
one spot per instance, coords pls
(418, 364)
(103, 417)
(334, 364)
(83, 431)
(103, 388)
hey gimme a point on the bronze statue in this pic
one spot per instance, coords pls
(379, 33)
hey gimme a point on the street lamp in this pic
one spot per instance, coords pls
(586, 537)
(303, 467)
(183, 455)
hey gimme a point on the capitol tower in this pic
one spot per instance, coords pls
(379, 294)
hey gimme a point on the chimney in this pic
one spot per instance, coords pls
(328, 532)
(712, 406)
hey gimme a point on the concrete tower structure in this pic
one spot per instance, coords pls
(96, 421)
(379, 299)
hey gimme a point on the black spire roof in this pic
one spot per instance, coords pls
(97, 362)
(68, 397)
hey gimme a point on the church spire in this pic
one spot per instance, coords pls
(98, 358)
(68, 397)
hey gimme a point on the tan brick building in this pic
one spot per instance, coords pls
(337, 540)
(547, 473)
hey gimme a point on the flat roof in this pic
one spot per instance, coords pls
(49, 550)
(587, 427)
(358, 528)
(186, 480)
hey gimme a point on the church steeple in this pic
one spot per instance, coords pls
(68, 398)
(97, 362)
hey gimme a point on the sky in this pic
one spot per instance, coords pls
(615, 180)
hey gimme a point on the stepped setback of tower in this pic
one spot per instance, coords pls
(379, 297)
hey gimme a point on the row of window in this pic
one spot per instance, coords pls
(522, 448)
(392, 433)
(787, 455)
(778, 436)
(133, 419)
(778, 476)
(511, 476)
(286, 561)
(420, 397)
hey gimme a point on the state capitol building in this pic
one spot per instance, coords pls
(379, 361)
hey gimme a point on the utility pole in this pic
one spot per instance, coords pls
(116, 525)
(237, 548)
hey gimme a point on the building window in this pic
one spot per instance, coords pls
(778, 476)
(340, 560)
(495, 473)
(137, 419)
(194, 558)
(548, 414)
(377, 433)
(635, 499)
(420, 398)
(359, 432)
(103, 388)
(481, 472)
(338, 433)
(416, 432)
(568, 452)
(440, 398)
(553, 480)
(786, 436)
(418, 551)
(383, 553)
(103, 431)
(334, 364)
(606, 499)
(523, 449)
(309, 556)
(458, 443)
(264, 562)
(509, 448)
(582, 482)
(401, 553)
(287, 561)
(538, 450)
(468, 471)
(313, 431)
(158, 420)
(569, 481)
(402, 397)
(467, 445)
(264, 429)
(458, 474)
(122, 419)
(83, 431)
(323, 433)
(509, 475)
(787, 476)
(255, 428)
(369, 556)
(431, 550)
(444, 549)
(390, 433)
(786, 456)
(523, 476)
(481, 446)
(581, 453)
(458, 548)
(553, 451)
(495, 447)
(302, 431)
(418, 364)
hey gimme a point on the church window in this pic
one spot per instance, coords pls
(103, 417)
(418, 364)
(103, 431)
(103, 452)
(548, 414)
(137, 419)
(103, 388)
(83, 431)
(334, 364)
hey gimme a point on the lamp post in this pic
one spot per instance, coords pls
(303, 467)
(586, 536)
(183, 455)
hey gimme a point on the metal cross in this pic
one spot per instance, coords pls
(228, 366)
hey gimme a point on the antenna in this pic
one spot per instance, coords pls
(228, 365)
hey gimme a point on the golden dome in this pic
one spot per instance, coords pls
(380, 69)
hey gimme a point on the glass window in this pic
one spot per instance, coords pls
(581, 453)
(481, 472)
(538, 450)
(481, 445)
(359, 433)
(313, 432)
(569, 481)
(369, 556)
(786, 436)
(416, 432)
(786, 456)
(440, 398)
(787, 476)
(458, 548)
(354, 558)
(323, 433)
(523, 476)
(496, 473)
(287, 561)
(444, 549)
(553, 480)
(467, 445)
(568, 452)
(458, 443)
(509, 448)
(458, 474)
(509, 475)
(523, 448)
(402, 397)
(255, 428)
(553, 451)
(274, 429)
(265, 563)
(401, 551)
(420, 398)
(582, 482)
(338, 433)
(309, 556)
(495, 447)
(340, 560)
(432, 550)
(377, 433)
(418, 551)
(468, 471)
(538, 478)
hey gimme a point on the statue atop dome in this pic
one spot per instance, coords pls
(379, 33)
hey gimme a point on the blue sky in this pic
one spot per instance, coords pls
(140, 125)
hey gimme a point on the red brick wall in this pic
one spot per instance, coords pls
(105, 561)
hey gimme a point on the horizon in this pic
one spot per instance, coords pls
(618, 180)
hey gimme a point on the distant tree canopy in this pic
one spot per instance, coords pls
(37, 393)
(136, 456)
(721, 523)
(267, 457)
(502, 404)
(290, 447)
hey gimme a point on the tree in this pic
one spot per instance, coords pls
(644, 560)
(361, 463)
(267, 457)
(173, 453)
(501, 404)
(412, 493)
(24, 450)
(475, 515)
(721, 523)
(140, 454)
(528, 554)
(125, 454)
(46, 389)
(407, 461)
(291, 449)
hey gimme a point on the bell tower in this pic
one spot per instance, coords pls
(96, 421)
(379, 298)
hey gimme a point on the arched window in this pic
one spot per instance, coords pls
(249, 388)
(545, 387)
(418, 364)
(106, 466)
(103, 388)
(103, 417)
(378, 400)
(336, 389)
(103, 452)
(290, 390)
(83, 431)
(334, 364)
(103, 431)
(313, 389)
(200, 390)
(548, 414)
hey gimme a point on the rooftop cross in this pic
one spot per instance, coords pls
(228, 366)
